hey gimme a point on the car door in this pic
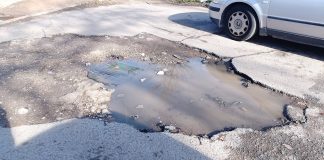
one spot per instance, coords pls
(297, 18)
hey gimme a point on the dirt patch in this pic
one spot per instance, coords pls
(46, 79)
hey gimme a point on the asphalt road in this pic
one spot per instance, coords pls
(285, 67)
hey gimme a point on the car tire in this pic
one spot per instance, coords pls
(240, 23)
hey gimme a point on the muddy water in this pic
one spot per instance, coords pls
(198, 98)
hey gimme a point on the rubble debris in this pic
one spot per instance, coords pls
(170, 128)
(288, 146)
(180, 58)
(105, 111)
(22, 110)
(143, 80)
(146, 58)
(245, 83)
(140, 106)
(294, 114)
(160, 73)
(135, 117)
(118, 57)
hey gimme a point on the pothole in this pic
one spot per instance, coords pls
(192, 97)
(158, 85)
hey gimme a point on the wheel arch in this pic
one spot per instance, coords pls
(254, 6)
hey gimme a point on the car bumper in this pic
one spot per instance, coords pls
(215, 10)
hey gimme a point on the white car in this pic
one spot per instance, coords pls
(300, 21)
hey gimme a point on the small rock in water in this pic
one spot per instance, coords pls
(160, 124)
(143, 79)
(229, 70)
(160, 73)
(245, 84)
(140, 106)
(243, 109)
(146, 58)
(170, 128)
(204, 61)
(105, 111)
(236, 103)
(93, 109)
(120, 95)
(294, 114)
(23, 110)
(135, 116)
(118, 57)
(208, 57)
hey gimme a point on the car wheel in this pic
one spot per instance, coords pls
(240, 23)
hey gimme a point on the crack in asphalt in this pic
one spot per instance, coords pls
(253, 54)
(195, 37)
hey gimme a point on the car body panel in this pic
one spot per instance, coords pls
(301, 21)
(305, 17)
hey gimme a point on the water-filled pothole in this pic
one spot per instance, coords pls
(195, 97)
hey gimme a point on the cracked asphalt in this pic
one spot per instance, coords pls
(282, 66)
(190, 26)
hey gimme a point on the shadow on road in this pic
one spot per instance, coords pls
(201, 21)
(6, 138)
(88, 139)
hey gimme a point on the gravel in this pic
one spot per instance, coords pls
(294, 114)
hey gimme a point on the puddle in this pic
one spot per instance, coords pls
(197, 98)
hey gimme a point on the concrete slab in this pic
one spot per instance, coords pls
(92, 139)
(186, 24)
(225, 47)
(191, 25)
(6, 3)
(285, 71)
